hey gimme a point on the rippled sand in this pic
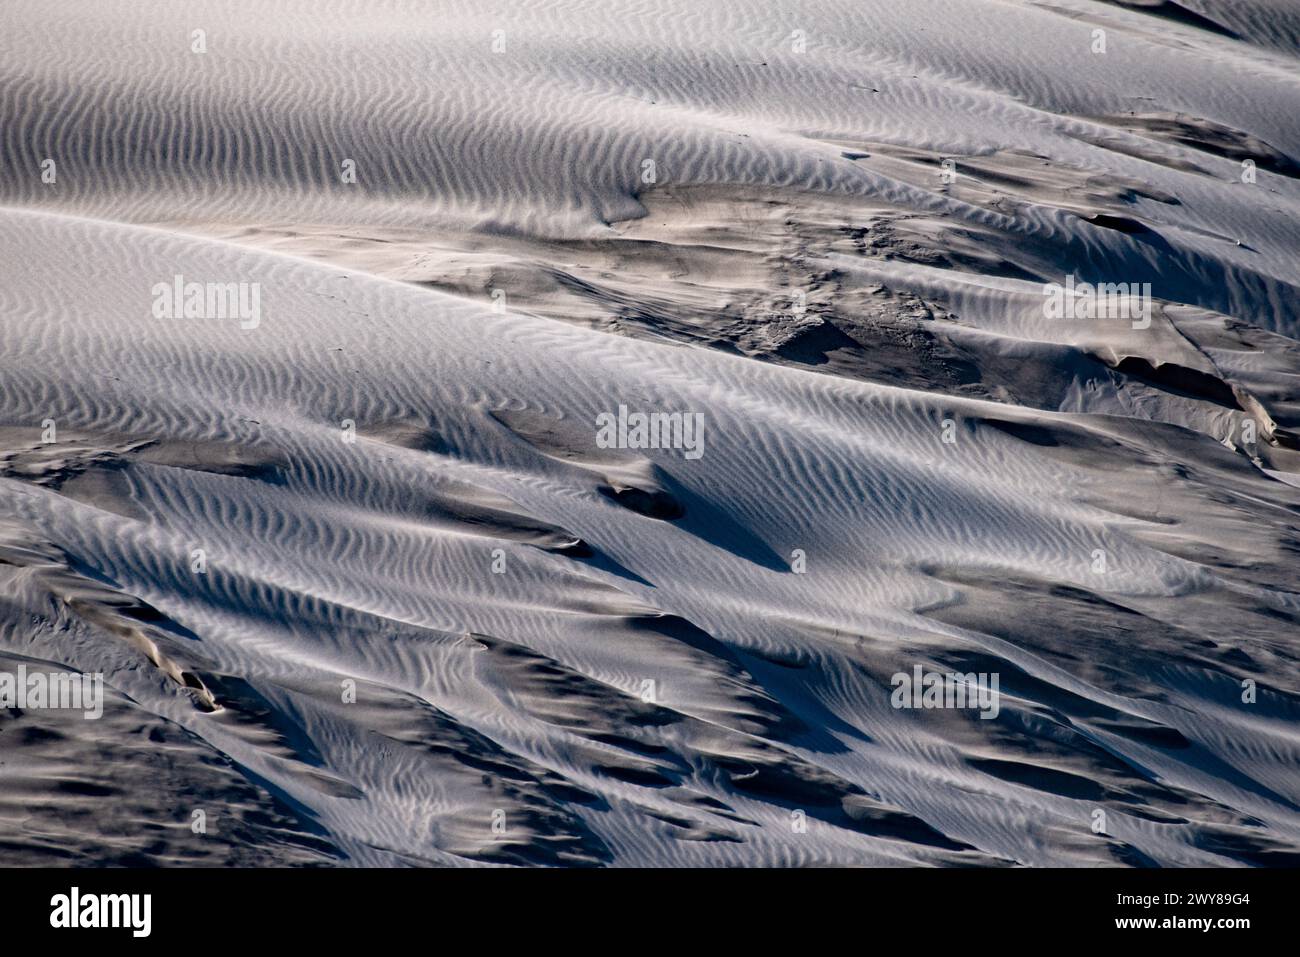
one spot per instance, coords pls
(365, 588)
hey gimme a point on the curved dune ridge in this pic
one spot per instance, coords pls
(365, 585)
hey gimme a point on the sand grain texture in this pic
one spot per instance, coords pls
(802, 274)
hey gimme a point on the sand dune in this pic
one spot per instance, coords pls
(366, 587)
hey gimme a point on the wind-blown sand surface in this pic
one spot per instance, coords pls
(365, 589)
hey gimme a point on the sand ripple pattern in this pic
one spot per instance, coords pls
(433, 622)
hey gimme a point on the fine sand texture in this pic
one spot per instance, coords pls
(368, 584)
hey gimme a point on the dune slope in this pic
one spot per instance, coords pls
(366, 586)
